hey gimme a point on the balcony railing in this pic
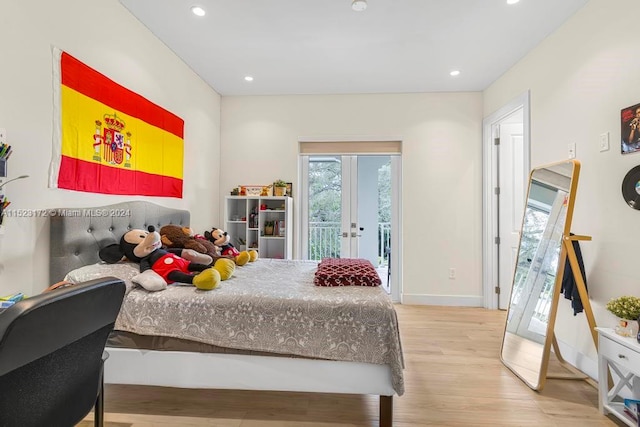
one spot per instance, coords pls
(325, 240)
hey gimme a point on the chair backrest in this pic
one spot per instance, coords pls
(51, 348)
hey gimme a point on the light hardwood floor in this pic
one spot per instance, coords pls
(453, 377)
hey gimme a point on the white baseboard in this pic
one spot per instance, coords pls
(446, 300)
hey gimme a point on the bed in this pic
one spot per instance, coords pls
(266, 328)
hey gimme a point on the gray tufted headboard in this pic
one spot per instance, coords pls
(77, 234)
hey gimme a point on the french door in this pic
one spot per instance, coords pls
(349, 203)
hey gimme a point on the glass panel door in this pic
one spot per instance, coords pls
(348, 209)
(324, 201)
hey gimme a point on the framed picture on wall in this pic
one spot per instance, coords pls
(630, 129)
(289, 189)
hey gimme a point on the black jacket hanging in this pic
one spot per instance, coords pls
(569, 285)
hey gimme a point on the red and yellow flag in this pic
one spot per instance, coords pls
(112, 140)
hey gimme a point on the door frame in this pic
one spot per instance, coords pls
(489, 182)
(349, 203)
(301, 220)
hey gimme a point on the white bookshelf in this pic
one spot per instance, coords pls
(248, 217)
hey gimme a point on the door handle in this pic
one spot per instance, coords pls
(345, 234)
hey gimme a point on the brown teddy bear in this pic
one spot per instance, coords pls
(175, 236)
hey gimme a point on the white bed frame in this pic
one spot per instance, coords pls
(75, 241)
(246, 372)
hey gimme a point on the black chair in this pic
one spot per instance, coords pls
(51, 354)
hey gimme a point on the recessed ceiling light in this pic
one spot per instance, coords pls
(454, 73)
(359, 5)
(512, 1)
(198, 11)
(248, 78)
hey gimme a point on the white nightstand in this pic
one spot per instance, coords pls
(622, 355)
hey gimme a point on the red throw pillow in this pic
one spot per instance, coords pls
(346, 272)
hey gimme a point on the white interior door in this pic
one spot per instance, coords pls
(512, 181)
(505, 166)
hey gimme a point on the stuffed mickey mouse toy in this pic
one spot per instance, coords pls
(221, 239)
(144, 247)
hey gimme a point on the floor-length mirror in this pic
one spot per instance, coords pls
(536, 283)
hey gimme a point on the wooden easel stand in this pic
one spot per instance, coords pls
(586, 304)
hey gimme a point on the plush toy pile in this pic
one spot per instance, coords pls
(177, 237)
(159, 267)
(177, 254)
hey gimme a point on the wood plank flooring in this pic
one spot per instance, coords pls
(453, 377)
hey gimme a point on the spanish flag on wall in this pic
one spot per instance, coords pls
(108, 139)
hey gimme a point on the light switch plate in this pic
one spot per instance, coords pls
(604, 141)
(3, 136)
(572, 150)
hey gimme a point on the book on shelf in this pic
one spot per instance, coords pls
(631, 409)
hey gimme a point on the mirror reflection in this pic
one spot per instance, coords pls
(546, 220)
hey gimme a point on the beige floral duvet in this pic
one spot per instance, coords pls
(272, 306)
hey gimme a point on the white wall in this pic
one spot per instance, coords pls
(106, 37)
(580, 78)
(441, 163)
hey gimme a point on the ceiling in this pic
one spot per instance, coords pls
(324, 47)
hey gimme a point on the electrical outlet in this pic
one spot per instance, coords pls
(572, 150)
(452, 273)
(604, 141)
(3, 136)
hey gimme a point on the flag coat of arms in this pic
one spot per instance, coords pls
(108, 139)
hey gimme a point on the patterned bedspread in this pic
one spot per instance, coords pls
(272, 306)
